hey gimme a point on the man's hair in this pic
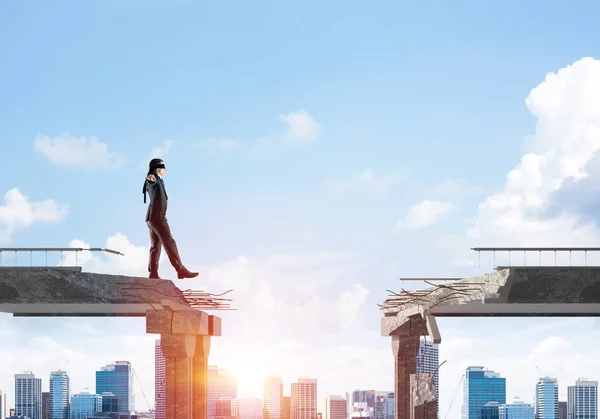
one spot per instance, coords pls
(153, 165)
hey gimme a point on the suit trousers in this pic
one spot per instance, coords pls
(160, 236)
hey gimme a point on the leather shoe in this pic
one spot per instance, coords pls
(184, 273)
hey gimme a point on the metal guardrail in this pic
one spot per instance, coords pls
(45, 250)
(535, 249)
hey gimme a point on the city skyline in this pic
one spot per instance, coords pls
(582, 395)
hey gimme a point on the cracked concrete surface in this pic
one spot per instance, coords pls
(55, 291)
(507, 291)
(422, 388)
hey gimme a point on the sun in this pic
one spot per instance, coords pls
(250, 378)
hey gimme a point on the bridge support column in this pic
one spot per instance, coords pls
(405, 349)
(185, 344)
(200, 384)
(406, 335)
(423, 402)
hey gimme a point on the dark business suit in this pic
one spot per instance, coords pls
(160, 233)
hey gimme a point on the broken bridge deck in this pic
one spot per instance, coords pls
(57, 291)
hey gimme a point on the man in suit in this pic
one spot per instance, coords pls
(156, 219)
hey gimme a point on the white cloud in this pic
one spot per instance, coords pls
(425, 214)
(134, 262)
(78, 152)
(304, 292)
(219, 143)
(302, 127)
(18, 213)
(367, 180)
(158, 152)
(567, 138)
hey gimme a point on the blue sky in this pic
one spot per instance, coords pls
(411, 116)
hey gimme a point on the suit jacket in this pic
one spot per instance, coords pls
(157, 208)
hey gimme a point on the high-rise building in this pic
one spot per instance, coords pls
(273, 401)
(247, 408)
(287, 414)
(85, 404)
(583, 400)
(45, 405)
(360, 410)
(546, 398)
(516, 410)
(3, 405)
(428, 362)
(159, 381)
(110, 402)
(223, 409)
(221, 385)
(490, 411)
(481, 387)
(379, 404)
(28, 395)
(562, 410)
(383, 407)
(117, 379)
(362, 396)
(303, 402)
(336, 407)
(59, 395)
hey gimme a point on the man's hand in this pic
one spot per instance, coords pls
(151, 178)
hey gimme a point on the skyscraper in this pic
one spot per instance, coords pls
(481, 386)
(562, 410)
(490, 411)
(363, 396)
(223, 409)
(360, 410)
(159, 381)
(59, 395)
(287, 414)
(45, 405)
(583, 400)
(3, 405)
(516, 410)
(336, 407)
(85, 404)
(303, 402)
(383, 405)
(546, 398)
(221, 384)
(110, 402)
(28, 395)
(273, 401)
(428, 362)
(117, 379)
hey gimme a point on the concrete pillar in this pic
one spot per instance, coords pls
(185, 343)
(178, 351)
(423, 403)
(405, 349)
(200, 384)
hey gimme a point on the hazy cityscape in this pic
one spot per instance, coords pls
(484, 396)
